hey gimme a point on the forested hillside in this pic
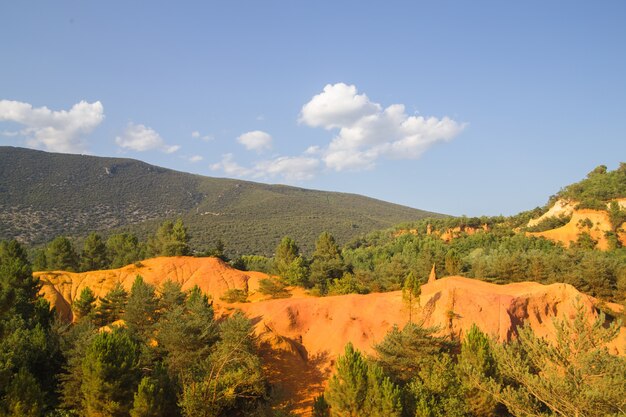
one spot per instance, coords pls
(43, 195)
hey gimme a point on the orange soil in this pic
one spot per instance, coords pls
(569, 233)
(301, 336)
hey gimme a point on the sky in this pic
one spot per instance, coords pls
(464, 108)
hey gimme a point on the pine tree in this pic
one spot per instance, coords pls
(574, 376)
(113, 305)
(84, 307)
(286, 252)
(231, 381)
(347, 389)
(171, 239)
(172, 296)
(124, 249)
(110, 374)
(141, 309)
(327, 263)
(155, 396)
(61, 255)
(94, 254)
(411, 291)
(476, 361)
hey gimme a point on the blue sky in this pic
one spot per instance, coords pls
(481, 107)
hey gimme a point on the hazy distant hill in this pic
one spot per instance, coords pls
(46, 194)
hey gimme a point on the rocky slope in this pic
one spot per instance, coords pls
(594, 222)
(301, 336)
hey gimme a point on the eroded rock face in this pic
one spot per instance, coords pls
(301, 336)
(213, 276)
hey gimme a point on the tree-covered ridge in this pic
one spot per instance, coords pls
(40, 192)
(599, 187)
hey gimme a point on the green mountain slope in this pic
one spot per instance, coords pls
(46, 194)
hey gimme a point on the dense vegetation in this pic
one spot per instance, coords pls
(598, 188)
(43, 195)
(170, 358)
(414, 373)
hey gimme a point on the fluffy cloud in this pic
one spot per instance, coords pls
(230, 167)
(141, 138)
(367, 131)
(286, 167)
(197, 135)
(58, 131)
(195, 158)
(256, 140)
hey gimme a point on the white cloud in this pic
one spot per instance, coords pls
(256, 140)
(195, 158)
(230, 167)
(291, 168)
(142, 138)
(286, 167)
(59, 131)
(367, 131)
(197, 135)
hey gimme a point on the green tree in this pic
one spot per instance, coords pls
(327, 263)
(574, 376)
(476, 361)
(347, 389)
(453, 262)
(123, 249)
(84, 307)
(231, 381)
(274, 288)
(29, 344)
(171, 239)
(186, 333)
(411, 291)
(172, 296)
(110, 374)
(155, 396)
(61, 255)
(141, 309)
(113, 305)
(288, 263)
(94, 254)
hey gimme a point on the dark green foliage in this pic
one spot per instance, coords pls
(234, 295)
(155, 396)
(171, 239)
(84, 307)
(327, 262)
(61, 255)
(255, 263)
(599, 187)
(76, 339)
(549, 223)
(403, 353)
(288, 263)
(186, 333)
(110, 374)
(230, 380)
(274, 288)
(124, 249)
(29, 344)
(171, 296)
(576, 376)
(113, 305)
(411, 291)
(141, 309)
(360, 389)
(476, 361)
(94, 254)
(320, 407)
(348, 284)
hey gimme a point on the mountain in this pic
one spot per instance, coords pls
(43, 195)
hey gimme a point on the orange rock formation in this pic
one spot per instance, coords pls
(301, 336)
